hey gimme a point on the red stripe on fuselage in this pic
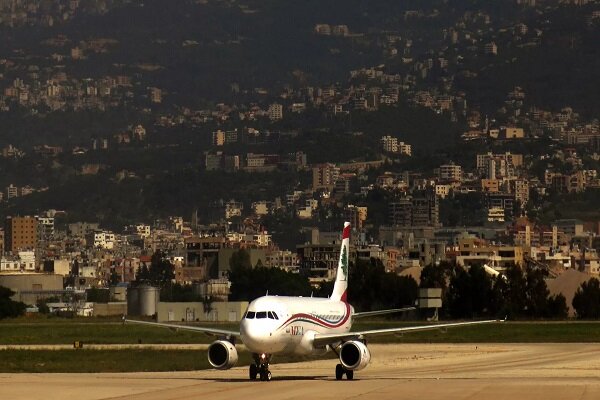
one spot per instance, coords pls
(318, 321)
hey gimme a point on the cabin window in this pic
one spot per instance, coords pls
(261, 315)
(250, 315)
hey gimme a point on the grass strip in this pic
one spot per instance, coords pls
(69, 331)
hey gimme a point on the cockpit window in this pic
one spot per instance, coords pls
(275, 315)
(270, 314)
(250, 315)
(261, 314)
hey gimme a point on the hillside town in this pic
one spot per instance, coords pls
(504, 178)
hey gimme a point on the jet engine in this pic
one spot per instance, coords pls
(354, 355)
(222, 354)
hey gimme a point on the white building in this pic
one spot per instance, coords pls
(391, 144)
(102, 240)
(306, 212)
(442, 191)
(450, 172)
(24, 261)
(10, 264)
(261, 207)
(233, 209)
(496, 214)
(275, 112)
(405, 149)
(283, 259)
(45, 226)
(12, 192)
(141, 230)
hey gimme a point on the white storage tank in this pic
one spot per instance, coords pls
(142, 300)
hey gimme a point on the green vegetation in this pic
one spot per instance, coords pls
(371, 288)
(249, 283)
(473, 293)
(586, 301)
(160, 271)
(62, 331)
(582, 206)
(501, 332)
(9, 308)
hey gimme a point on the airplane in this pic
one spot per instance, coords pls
(305, 326)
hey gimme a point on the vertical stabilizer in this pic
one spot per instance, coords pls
(340, 287)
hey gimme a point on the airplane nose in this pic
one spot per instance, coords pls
(252, 336)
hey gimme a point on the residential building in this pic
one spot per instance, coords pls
(512, 133)
(101, 240)
(20, 233)
(325, 176)
(275, 112)
(417, 210)
(391, 144)
(450, 172)
(478, 251)
(491, 48)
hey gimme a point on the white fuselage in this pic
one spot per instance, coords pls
(287, 325)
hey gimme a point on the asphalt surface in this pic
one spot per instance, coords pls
(398, 371)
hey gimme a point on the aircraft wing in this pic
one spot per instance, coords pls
(208, 331)
(381, 312)
(330, 338)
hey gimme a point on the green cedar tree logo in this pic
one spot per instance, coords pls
(345, 261)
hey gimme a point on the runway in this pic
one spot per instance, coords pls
(423, 371)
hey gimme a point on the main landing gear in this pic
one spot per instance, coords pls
(340, 371)
(260, 367)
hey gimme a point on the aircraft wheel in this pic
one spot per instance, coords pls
(339, 372)
(349, 375)
(265, 376)
(253, 372)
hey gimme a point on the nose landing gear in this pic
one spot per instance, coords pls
(260, 367)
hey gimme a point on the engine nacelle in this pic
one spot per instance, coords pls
(222, 354)
(354, 355)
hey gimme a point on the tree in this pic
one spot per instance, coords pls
(436, 276)
(515, 291)
(586, 301)
(557, 307)
(497, 296)
(249, 283)
(469, 293)
(537, 292)
(178, 292)
(96, 295)
(160, 273)
(8, 307)
(371, 288)
(240, 259)
(114, 278)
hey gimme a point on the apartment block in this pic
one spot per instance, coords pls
(20, 233)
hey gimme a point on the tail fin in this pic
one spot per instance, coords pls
(340, 286)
